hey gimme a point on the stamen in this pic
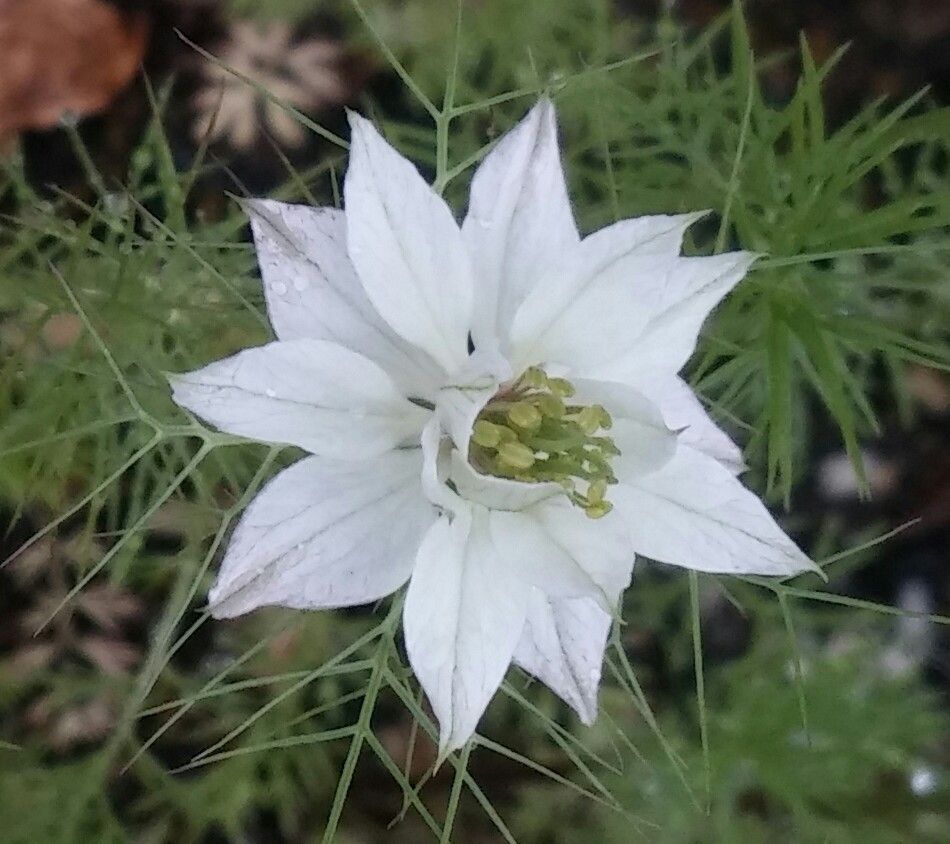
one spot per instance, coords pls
(528, 433)
(525, 415)
(486, 434)
(516, 455)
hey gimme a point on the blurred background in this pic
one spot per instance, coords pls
(125, 130)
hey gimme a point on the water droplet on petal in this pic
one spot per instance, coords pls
(269, 393)
(279, 288)
(300, 283)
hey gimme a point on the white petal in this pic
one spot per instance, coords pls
(497, 493)
(519, 220)
(694, 513)
(436, 463)
(643, 436)
(326, 534)
(407, 249)
(608, 275)
(684, 299)
(654, 234)
(683, 412)
(310, 393)
(460, 401)
(630, 313)
(313, 292)
(464, 614)
(555, 547)
(562, 644)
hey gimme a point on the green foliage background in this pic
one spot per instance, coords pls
(793, 741)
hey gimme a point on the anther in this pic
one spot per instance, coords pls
(599, 510)
(561, 387)
(486, 434)
(597, 491)
(589, 419)
(550, 405)
(516, 455)
(525, 415)
(534, 377)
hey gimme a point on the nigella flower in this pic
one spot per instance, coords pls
(493, 414)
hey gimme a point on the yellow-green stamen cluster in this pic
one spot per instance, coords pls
(530, 432)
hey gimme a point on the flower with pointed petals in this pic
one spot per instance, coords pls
(493, 415)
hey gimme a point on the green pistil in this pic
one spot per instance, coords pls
(528, 432)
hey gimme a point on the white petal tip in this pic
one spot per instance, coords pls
(220, 613)
(793, 566)
(545, 107)
(234, 602)
(255, 206)
(360, 131)
(221, 606)
(357, 122)
(182, 390)
(447, 746)
(177, 381)
(217, 607)
(588, 716)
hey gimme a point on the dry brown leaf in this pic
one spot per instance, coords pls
(62, 57)
(930, 387)
(32, 658)
(309, 74)
(111, 656)
(109, 607)
(69, 726)
(84, 724)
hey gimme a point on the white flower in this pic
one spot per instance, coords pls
(493, 414)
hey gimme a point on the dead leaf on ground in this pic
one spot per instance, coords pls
(62, 57)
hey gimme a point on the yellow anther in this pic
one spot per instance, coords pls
(597, 491)
(486, 434)
(598, 510)
(516, 455)
(525, 415)
(550, 405)
(561, 387)
(535, 378)
(507, 435)
(589, 418)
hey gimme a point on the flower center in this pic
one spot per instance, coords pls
(529, 432)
